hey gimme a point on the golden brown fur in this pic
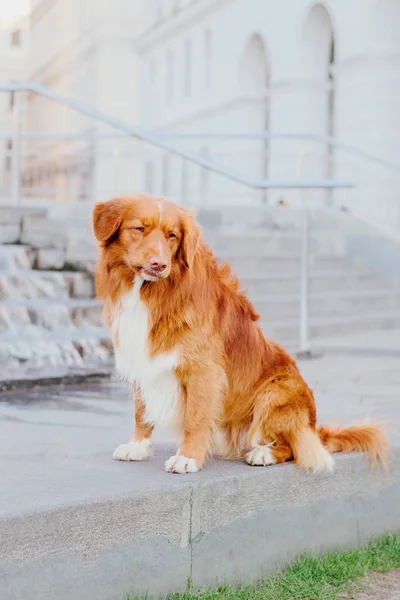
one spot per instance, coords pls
(233, 381)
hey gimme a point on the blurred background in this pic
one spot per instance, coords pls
(278, 120)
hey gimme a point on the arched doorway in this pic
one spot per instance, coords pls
(318, 60)
(254, 82)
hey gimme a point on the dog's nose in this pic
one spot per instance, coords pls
(157, 263)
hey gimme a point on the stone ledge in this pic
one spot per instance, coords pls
(130, 527)
(59, 378)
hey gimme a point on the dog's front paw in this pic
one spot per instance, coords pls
(181, 464)
(133, 451)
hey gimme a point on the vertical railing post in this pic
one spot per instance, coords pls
(304, 344)
(304, 348)
(16, 149)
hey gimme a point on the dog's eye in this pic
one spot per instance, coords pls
(172, 236)
(141, 229)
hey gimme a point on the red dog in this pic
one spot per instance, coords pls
(187, 339)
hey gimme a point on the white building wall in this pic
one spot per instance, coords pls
(355, 99)
(83, 49)
(183, 66)
(14, 43)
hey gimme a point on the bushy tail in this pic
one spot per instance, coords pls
(309, 452)
(368, 438)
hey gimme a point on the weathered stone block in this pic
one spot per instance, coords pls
(40, 232)
(10, 233)
(82, 286)
(14, 257)
(50, 258)
(81, 248)
(11, 221)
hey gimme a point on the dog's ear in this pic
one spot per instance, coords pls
(190, 237)
(107, 217)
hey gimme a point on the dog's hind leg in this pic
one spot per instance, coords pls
(283, 425)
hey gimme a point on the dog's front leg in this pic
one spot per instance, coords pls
(139, 448)
(205, 392)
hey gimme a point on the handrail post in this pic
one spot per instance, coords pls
(16, 149)
(304, 349)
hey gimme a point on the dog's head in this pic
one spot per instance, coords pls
(150, 235)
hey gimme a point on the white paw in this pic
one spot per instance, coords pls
(181, 464)
(260, 456)
(133, 451)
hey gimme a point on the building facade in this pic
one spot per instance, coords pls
(331, 69)
(198, 71)
(14, 44)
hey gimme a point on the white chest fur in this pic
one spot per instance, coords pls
(155, 376)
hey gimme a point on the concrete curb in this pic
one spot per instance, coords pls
(218, 529)
(61, 379)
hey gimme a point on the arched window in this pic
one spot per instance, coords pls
(318, 43)
(319, 56)
(253, 73)
(254, 112)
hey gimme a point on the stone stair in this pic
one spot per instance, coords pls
(51, 323)
(348, 291)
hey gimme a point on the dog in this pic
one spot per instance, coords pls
(187, 340)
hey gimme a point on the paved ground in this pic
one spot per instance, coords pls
(384, 342)
(51, 440)
(69, 512)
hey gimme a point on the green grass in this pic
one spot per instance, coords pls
(313, 577)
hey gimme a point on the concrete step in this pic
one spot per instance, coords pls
(35, 350)
(258, 284)
(77, 525)
(50, 313)
(14, 256)
(28, 283)
(287, 262)
(45, 302)
(374, 343)
(287, 330)
(358, 302)
(263, 219)
(254, 244)
(63, 334)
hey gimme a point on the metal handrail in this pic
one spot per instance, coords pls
(266, 135)
(155, 140)
(158, 141)
(249, 135)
